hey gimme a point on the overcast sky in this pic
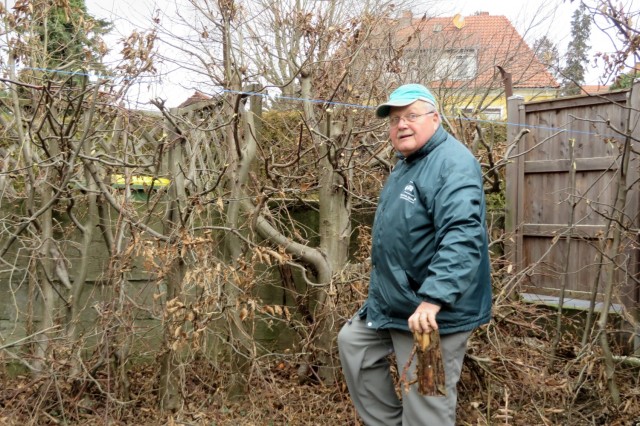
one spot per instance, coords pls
(532, 18)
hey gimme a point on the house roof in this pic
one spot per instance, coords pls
(197, 96)
(494, 39)
(591, 89)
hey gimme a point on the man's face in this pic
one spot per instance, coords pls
(407, 137)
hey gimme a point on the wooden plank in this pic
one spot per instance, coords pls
(632, 290)
(573, 300)
(547, 255)
(546, 198)
(578, 102)
(543, 140)
(521, 114)
(512, 177)
(552, 291)
(553, 230)
(563, 165)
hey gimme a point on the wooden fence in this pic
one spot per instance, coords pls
(561, 185)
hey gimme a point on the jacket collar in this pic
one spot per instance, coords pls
(438, 138)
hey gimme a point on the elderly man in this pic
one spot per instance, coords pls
(430, 266)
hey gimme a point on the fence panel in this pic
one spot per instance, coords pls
(561, 186)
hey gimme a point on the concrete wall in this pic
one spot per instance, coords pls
(20, 306)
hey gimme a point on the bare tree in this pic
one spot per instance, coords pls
(63, 136)
(197, 209)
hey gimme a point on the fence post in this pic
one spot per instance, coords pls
(634, 299)
(255, 103)
(514, 176)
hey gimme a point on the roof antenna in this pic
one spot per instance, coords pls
(458, 21)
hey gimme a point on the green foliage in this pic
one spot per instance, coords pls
(285, 142)
(74, 35)
(625, 81)
(573, 73)
(56, 35)
(496, 201)
(282, 128)
(547, 53)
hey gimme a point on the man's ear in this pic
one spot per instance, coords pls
(436, 118)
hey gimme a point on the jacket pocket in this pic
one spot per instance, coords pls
(400, 300)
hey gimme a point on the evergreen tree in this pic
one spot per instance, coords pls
(574, 72)
(72, 37)
(547, 53)
(53, 39)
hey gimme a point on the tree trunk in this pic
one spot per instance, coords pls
(81, 269)
(335, 234)
(242, 352)
(44, 286)
(171, 369)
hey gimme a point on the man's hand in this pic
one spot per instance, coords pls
(423, 320)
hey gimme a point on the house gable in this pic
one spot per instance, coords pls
(464, 51)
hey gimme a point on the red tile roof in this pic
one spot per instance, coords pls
(493, 37)
(197, 96)
(591, 89)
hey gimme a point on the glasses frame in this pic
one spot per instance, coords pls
(409, 118)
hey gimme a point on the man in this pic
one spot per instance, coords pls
(430, 266)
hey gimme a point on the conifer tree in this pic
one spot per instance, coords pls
(573, 74)
(72, 37)
(547, 53)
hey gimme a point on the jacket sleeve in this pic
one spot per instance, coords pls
(460, 232)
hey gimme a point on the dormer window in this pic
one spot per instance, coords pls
(457, 64)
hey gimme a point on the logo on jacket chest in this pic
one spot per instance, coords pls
(409, 193)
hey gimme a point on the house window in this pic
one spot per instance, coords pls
(491, 114)
(457, 64)
(417, 63)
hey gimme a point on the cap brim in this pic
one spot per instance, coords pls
(383, 110)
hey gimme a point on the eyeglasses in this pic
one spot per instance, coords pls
(410, 118)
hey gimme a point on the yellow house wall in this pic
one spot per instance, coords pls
(500, 101)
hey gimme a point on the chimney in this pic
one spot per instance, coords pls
(406, 19)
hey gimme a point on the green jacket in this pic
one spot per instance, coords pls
(430, 241)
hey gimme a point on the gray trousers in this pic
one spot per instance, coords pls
(364, 357)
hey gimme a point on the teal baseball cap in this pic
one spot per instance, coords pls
(405, 95)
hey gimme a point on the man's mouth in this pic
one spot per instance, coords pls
(405, 136)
